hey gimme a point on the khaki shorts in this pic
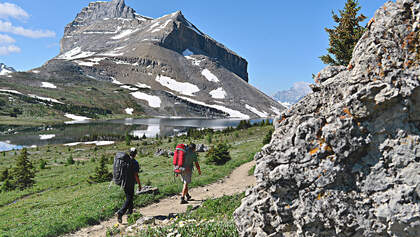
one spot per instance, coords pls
(186, 177)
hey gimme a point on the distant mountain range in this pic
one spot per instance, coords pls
(4, 70)
(166, 66)
(294, 94)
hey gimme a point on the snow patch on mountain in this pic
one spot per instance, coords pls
(256, 111)
(141, 85)
(48, 85)
(75, 118)
(184, 88)
(46, 136)
(4, 70)
(153, 101)
(129, 88)
(232, 113)
(45, 99)
(219, 93)
(129, 111)
(125, 33)
(209, 76)
(75, 53)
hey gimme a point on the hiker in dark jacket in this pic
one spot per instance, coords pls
(132, 178)
(190, 158)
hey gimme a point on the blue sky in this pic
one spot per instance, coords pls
(281, 40)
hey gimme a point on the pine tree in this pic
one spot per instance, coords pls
(101, 172)
(344, 37)
(23, 173)
(127, 139)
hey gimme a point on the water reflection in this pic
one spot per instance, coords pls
(105, 130)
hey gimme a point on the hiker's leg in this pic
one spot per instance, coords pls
(131, 203)
(129, 196)
(185, 190)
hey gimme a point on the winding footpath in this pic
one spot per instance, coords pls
(238, 181)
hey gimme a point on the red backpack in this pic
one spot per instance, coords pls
(178, 160)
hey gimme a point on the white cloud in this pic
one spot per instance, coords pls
(11, 10)
(7, 27)
(5, 50)
(5, 39)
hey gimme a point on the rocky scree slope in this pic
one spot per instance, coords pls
(168, 64)
(345, 161)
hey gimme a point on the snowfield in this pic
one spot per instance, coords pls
(232, 113)
(209, 76)
(46, 136)
(45, 99)
(97, 143)
(162, 26)
(116, 82)
(75, 118)
(129, 111)
(256, 111)
(219, 93)
(194, 61)
(48, 85)
(75, 53)
(275, 110)
(141, 85)
(124, 34)
(153, 101)
(184, 88)
(129, 88)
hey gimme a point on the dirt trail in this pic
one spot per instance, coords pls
(238, 181)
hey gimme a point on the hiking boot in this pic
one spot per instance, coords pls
(188, 197)
(119, 217)
(183, 201)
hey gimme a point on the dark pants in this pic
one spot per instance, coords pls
(128, 204)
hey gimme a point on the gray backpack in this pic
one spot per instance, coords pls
(120, 168)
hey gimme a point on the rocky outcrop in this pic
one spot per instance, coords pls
(345, 160)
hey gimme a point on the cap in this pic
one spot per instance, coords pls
(133, 151)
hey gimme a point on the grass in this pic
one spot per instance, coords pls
(62, 200)
(213, 218)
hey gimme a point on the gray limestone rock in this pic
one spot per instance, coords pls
(344, 161)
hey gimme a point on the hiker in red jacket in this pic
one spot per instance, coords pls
(190, 157)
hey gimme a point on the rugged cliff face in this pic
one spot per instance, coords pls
(170, 66)
(345, 160)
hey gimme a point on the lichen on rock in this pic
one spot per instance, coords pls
(345, 160)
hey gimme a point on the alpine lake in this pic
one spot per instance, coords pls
(105, 132)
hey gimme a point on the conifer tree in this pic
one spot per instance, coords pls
(101, 172)
(344, 37)
(23, 173)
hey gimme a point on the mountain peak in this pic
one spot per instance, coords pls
(97, 11)
(4, 70)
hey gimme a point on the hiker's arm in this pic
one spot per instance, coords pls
(198, 167)
(136, 175)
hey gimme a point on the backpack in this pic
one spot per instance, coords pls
(120, 168)
(178, 160)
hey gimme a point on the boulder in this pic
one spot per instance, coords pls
(161, 152)
(201, 148)
(345, 160)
